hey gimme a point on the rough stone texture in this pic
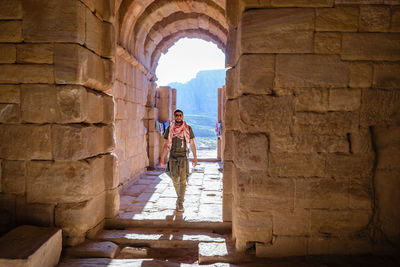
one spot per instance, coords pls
(395, 22)
(31, 246)
(10, 9)
(35, 53)
(374, 18)
(251, 152)
(343, 19)
(75, 64)
(13, 177)
(310, 70)
(8, 53)
(371, 46)
(36, 214)
(259, 81)
(25, 142)
(53, 21)
(77, 218)
(9, 93)
(386, 76)
(360, 75)
(9, 113)
(327, 43)
(344, 99)
(29, 73)
(132, 252)
(93, 249)
(283, 246)
(297, 165)
(302, 3)
(277, 31)
(11, 31)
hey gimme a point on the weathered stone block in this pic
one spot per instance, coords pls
(35, 53)
(79, 142)
(75, 64)
(77, 218)
(38, 103)
(307, 143)
(108, 40)
(252, 226)
(371, 46)
(360, 193)
(13, 177)
(31, 246)
(322, 193)
(338, 223)
(297, 165)
(252, 151)
(386, 140)
(380, 107)
(229, 144)
(311, 99)
(258, 80)
(339, 246)
(327, 42)
(232, 83)
(386, 76)
(54, 21)
(9, 93)
(11, 31)
(344, 99)
(360, 74)
(25, 142)
(231, 116)
(296, 223)
(8, 53)
(232, 53)
(277, 31)
(112, 203)
(361, 141)
(10, 9)
(32, 73)
(354, 165)
(283, 246)
(63, 182)
(94, 32)
(9, 113)
(343, 19)
(227, 201)
(395, 22)
(374, 18)
(36, 214)
(311, 71)
(302, 3)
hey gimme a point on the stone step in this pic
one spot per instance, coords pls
(101, 262)
(126, 220)
(29, 245)
(211, 252)
(93, 249)
(159, 239)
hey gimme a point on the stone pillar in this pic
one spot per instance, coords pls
(219, 120)
(173, 100)
(311, 105)
(56, 119)
(164, 103)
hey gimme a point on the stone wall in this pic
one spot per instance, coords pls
(56, 122)
(311, 125)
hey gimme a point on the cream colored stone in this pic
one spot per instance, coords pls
(296, 223)
(31, 246)
(258, 80)
(77, 65)
(297, 165)
(344, 99)
(302, 3)
(78, 142)
(232, 83)
(32, 73)
(354, 165)
(8, 53)
(36, 214)
(343, 19)
(327, 42)
(38, 103)
(10, 9)
(13, 177)
(77, 218)
(35, 53)
(310, 71)
(227, 201)
(93, 249)
(380, 107)
(232, 53)
(341, 222)
(11, 31)
(283, 246)
(9, 93)
(322, 193)
(371, 46)
(229, 144)
(374, 18)
(251, 151)
(9, 113)
(311, 99)
(277, 31)
(360, 75)
(63, 182)
(386, 76)
(54, 21)
(254, 226)
(112, 203)
(25, 142)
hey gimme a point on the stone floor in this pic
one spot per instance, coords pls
(153, 197)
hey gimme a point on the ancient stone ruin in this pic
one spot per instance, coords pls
(310, 111)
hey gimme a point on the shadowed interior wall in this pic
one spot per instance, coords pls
(311, 117)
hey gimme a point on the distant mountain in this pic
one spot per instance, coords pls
(198, 98)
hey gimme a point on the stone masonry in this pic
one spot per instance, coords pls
(311, 140)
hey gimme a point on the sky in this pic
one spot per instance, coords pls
(187, 57)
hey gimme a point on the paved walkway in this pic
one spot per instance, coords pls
(153, 197)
